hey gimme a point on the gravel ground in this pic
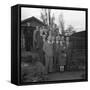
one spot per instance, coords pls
(65, 75)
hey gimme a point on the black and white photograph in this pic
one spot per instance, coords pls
(53, 45)
(44, 44)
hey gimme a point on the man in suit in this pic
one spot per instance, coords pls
(38, 43)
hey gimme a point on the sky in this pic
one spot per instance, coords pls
(71, 17)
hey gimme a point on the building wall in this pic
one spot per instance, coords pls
(77, 51)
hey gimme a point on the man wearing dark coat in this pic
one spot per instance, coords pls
(28, 39)
(38, 43)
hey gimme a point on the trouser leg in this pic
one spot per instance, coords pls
(50, 64)
(55, 62)
(46, 63)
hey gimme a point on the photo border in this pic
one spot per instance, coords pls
(19, 43)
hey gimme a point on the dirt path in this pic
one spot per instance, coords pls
(65, 75)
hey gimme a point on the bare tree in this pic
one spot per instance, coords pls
(70, 30)
(52, 21)
(61, 24)
(47, 18)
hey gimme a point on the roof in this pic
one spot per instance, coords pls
(81, 34)
(32, 19)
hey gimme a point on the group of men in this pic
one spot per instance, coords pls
(51, 49)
